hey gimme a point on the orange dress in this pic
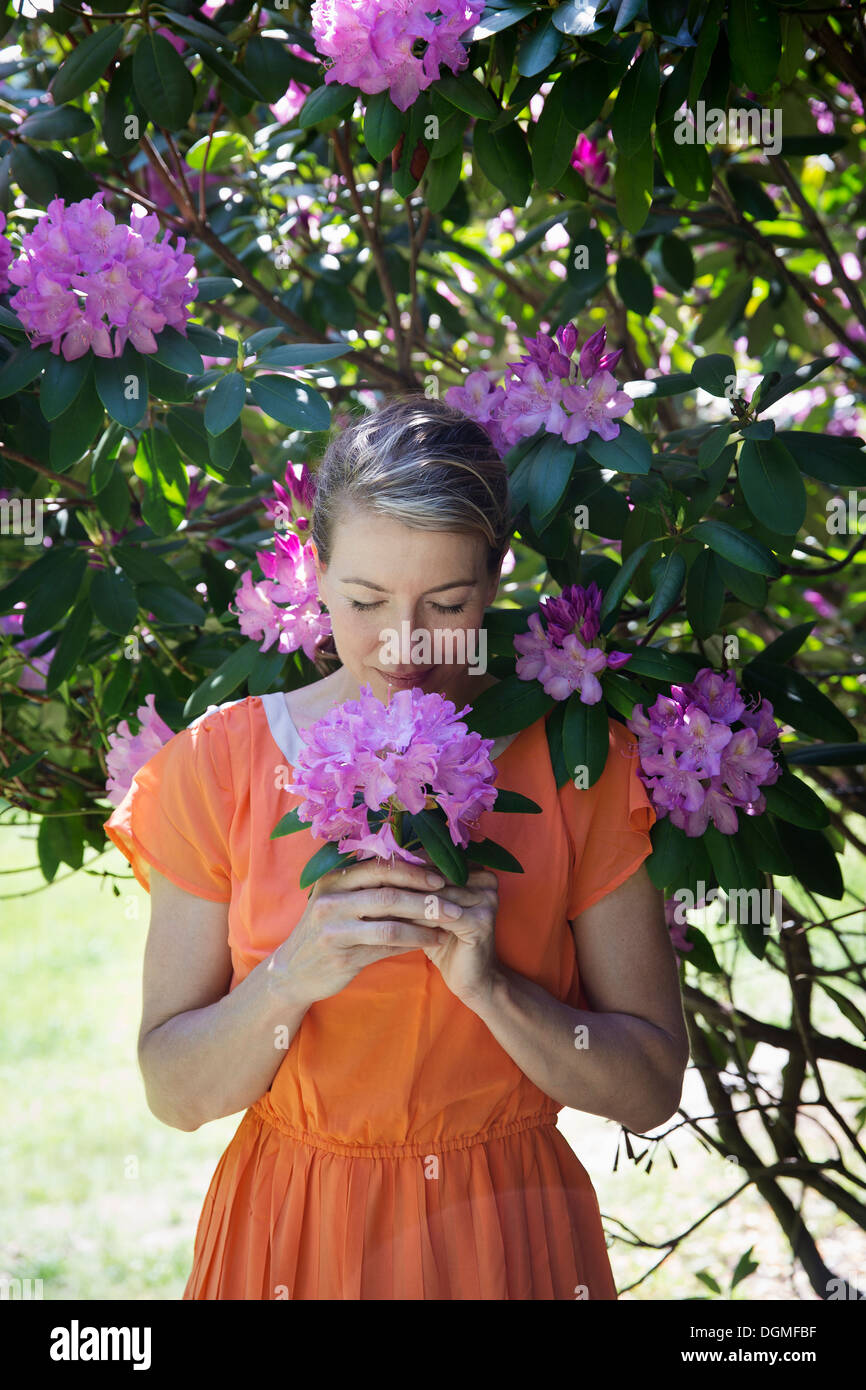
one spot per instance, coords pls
(399, 1153)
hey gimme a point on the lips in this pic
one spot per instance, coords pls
(415, 677)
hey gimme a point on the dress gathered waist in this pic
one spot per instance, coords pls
(265, 1111)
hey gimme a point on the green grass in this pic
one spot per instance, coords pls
(101, 1200)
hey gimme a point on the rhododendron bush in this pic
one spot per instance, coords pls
(624, 238)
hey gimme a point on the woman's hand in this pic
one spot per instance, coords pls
(357, 915)
(467, 959)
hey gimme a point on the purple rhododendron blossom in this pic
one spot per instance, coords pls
(589, 161)
(34, 671)
(128, 752)
(283, 607)
(90, 283)
(411, 754)
(372, 44)
(562, 655)
(704, 755)
(544, 390)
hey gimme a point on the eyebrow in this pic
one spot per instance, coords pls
(455, 584)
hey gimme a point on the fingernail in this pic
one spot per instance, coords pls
(451, 910)
(435, 880)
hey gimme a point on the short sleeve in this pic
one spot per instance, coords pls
(608, 824)
(177, 814)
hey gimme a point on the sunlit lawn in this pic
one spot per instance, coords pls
(100, 1200)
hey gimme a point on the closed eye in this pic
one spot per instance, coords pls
(440, 608)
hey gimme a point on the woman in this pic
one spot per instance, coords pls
(400, 1072)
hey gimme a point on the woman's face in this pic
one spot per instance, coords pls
(390, 588)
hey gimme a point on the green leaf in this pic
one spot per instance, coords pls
(327, 104)
(169, 606)
(767, 849)
(791, 799)
(634, 109)
(467, 93)
(442, 179)
(61, 384)
(549, 475)
(794, 381)
(62, 123)
(301, 354)
(797, 701)
(269, 66)
(658, 664)
(629, 452)
(678, 261)
(712, 445)
(177, 353)
(732, 863)
(511, 802)
(634, 286)
(772, 485)
(715, 373)
(21, 765)
(225, 402)
(289, 824)
(59, 841)
(633, 186)
(687, 166)
(705, 595)
(219, 150)
(142, 566)
(383, 125)
(846, 1006)
(121, 383)
(114, 601)
(745, 585)
(585, 737)
(787, 644)
(829, 458)
(817, 867)
(554, 134)
(507, 707)
(86, 63)
(217, 687)
(432, 830)
(737, 547)
(211, 287)
(231, 75)
(55, 595)
(70, 647)
(21, 368)
(668, 577)
(755, 38)
(504, 159)
(827, 754)
(618, 587)
(671, 850)
(493, 856)
(35, 174)
(539, 49)
(291, 402)
(74, 430)
(324, 861)
(163, 85)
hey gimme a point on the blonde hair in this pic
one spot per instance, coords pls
(425, 464)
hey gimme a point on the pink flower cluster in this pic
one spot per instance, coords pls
(290, 580)
(6, 255)
(589, 161)
(562, 657)
(82, 274)
(544, 391)
(128, 752)
(704, 755)
(372, 44)
(408, 755)
(294, 502)
(35, 668)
